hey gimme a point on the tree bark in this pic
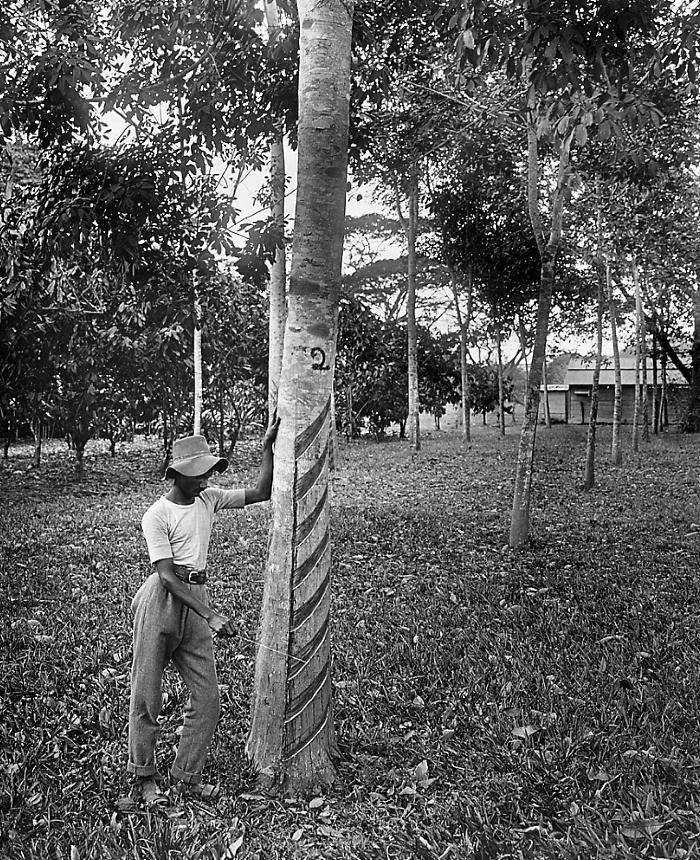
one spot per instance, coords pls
(278, 271)
(523, 343)
(291, 740)
(589, 468)
(463, 324)
(36, 433)
(545, 394)
(332, 435)
(663, 406)
(693, 421)
(501, 396)
(197, 347)
(637, 357)
(615, 445)
(644, 378)
(411, 229)
(520, 516)
(655, 385)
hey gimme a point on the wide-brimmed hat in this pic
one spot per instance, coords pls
(192, 457)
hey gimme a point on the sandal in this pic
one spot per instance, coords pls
(196, 791)
(151, 795)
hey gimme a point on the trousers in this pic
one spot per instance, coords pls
(166, 630)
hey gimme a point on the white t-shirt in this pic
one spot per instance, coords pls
(182, 532)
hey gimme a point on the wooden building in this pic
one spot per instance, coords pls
(578, 385)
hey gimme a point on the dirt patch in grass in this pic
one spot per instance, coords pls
(489, 703)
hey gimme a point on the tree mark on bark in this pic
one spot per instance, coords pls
(320, 359)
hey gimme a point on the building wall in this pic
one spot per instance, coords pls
(558, 406)
(580, 405)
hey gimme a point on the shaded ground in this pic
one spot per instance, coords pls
(489, 704)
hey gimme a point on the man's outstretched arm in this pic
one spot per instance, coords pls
(262, 491)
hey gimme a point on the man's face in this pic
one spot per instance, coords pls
(192, 487)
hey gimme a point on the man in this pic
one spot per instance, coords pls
(173, 619)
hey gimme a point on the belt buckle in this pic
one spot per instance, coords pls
(192, 573)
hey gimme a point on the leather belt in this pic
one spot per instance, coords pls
(189, 574)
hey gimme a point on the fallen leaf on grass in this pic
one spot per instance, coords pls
(298, 833)
(233, 848)
(421, 771)
(315, 802)
(599, 775)
(525, 732)
(641, 829)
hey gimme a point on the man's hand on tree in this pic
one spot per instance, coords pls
(271, 432)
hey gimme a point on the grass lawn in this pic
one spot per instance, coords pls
(489, 703)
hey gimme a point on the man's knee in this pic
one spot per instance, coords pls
(206, 702)
(214, 704)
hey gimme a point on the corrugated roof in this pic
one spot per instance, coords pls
(580, 371)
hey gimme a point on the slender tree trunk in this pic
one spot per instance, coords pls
(168, 439)
(291, 740)
(463, 323)
(663, 406)
(589, 469)
(545, 395)
(197, 342)
(222, 419)
(411, 230)
(501, 396)
(693, 421)
(332, 438)
(520, 516)
(615, 445)
(644, 380)
(350, 405)
(523, 343)
(278, 272)
(637, 358)
(655, 385)
(36, 433)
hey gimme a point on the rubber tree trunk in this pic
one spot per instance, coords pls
(332, 436)
(278, 272)
(291, 741)
(663, 405)
(655, 384)
(643, 358)
(463, 324)
(522, 334)
(589, 468)
(615, 445)
(501, 395)
(197, 355)
(36, 433)
(520, 516)
(410, 226)
(694, 406)
(545, 395)
(636, 420)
